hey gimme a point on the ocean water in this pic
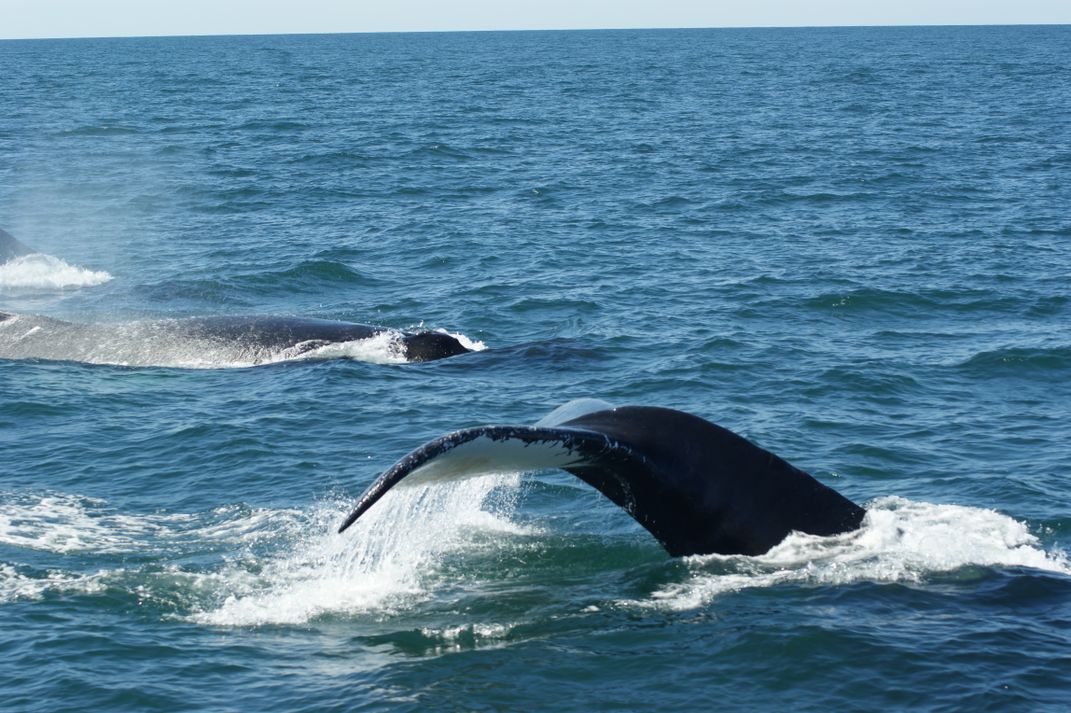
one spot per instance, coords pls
(849, 245)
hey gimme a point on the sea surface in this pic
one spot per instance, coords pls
(848, 245)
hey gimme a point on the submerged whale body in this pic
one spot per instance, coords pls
(206, 341)
(281, 333)
(697, 487)
(10, 248)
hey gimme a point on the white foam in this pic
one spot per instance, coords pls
(236, 525)
(473, 345)
(388, 560)
(45, 272)
(383, 348)
(289, 566)
(900, 541)
(454, 633)
(456, 638)
(275, 566)
(64, 523)
(15, 585)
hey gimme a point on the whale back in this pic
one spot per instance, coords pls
(275, 332)
(284, 332)
(429, 346)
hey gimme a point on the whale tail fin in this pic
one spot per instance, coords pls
(697, 487)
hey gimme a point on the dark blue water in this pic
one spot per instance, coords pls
(849, 245)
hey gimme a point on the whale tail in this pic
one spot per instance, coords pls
(697, 487)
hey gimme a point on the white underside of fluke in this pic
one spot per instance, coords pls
(490, 456)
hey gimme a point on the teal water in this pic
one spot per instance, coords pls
(849, 245)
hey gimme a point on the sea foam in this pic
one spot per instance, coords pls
(900, 541)
(289, 566)
(388, 561)
(45, 272)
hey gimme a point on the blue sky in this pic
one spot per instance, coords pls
(95, 18)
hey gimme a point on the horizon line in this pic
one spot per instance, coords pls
(533, 29)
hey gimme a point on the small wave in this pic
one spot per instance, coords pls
(1020, 359)
(318, 272)
(198, 290)
(45, 272)
(564, 305)
(819, 197)
(99, 130)
(307, 276)
(432, 641)
(440, 151)
(893, 301)
(870, 299)
(332, 158)
(672, 201)
(273, 125)
(900, 541)
(467, 631)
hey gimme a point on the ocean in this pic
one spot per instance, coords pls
(850, 246)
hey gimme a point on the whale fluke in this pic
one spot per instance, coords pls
(697, 487)
(10, 248)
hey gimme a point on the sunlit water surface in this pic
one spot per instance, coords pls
(850, 246)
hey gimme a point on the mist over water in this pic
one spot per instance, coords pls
(848, 245)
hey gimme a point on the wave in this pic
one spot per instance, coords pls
(900, 541)
(315, 274)
(95, 130)
(274, 125)
(874, 299)
(1019, 360)
(277, 566)
(64, 524)
(17, 583)
(45, 272)
(308, 276)
(289, 567)
(391, 563)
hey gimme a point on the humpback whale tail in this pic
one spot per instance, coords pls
(697, 487)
